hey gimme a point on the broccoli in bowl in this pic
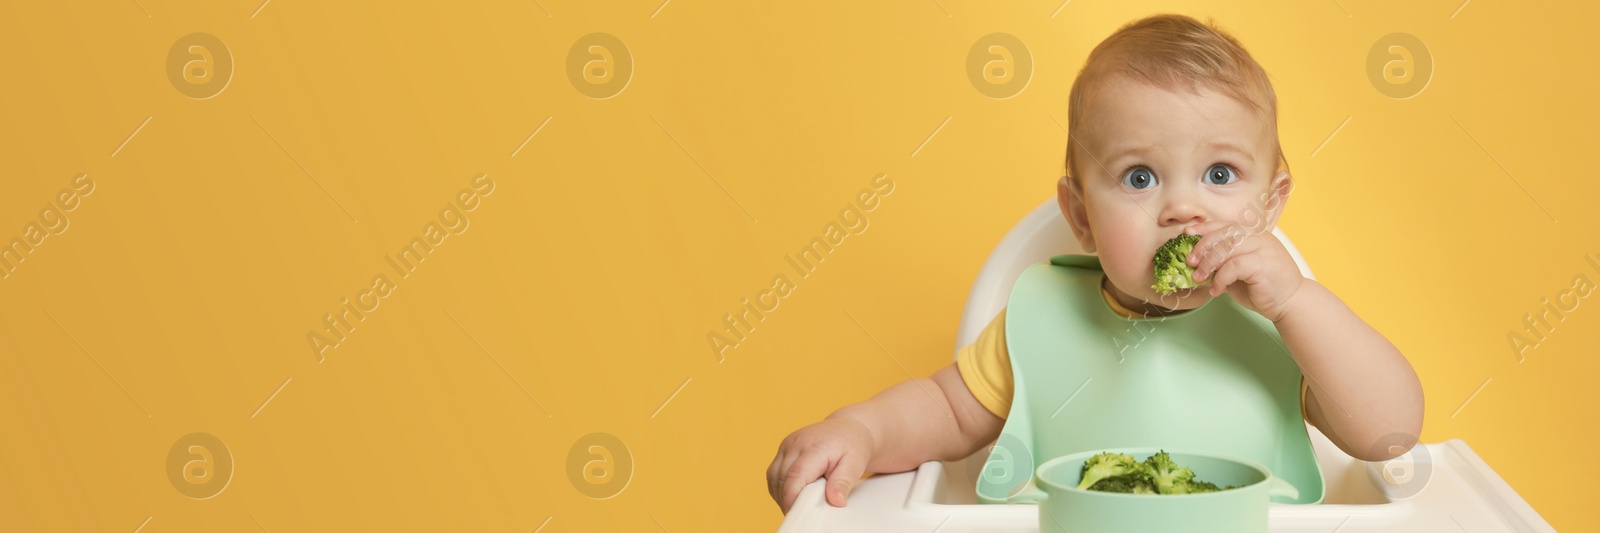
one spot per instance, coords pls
(1116, 472)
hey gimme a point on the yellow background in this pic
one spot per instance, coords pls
(618, 236)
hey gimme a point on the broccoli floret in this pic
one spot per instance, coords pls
(1166, 475)
(1157, 474)
(1128, 484)
(1106, 465)
(1172, 270)
(1194, 487)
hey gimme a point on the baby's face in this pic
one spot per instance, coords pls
(1152, 162)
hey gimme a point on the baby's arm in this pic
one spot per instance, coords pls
(894, 431)
(1364, 394)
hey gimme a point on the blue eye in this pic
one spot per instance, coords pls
(1139, 178)
(1221, 175)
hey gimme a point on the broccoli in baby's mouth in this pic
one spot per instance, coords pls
(1172, 268)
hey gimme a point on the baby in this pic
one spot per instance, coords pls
(1173, 130)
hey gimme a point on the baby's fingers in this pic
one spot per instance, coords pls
(844, 477)
(1209, 254)
(1209, 235)
(806, 469)
(1215, 249)
(1240, 269)
(789, 458)
(774, 473)
(1226, 275)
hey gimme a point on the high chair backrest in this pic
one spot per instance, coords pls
(1042, 233)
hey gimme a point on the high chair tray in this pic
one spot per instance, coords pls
(1460, 493)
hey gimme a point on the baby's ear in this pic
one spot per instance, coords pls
(1276, 196)
(1071, 199)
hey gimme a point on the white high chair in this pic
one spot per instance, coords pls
(1432, 488)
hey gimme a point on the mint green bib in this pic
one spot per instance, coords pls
(1212, 379)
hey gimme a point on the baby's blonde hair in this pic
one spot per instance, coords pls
(1174, 52)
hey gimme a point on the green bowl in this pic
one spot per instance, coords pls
(1063, 508)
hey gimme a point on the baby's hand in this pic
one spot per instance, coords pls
(1254, 268)
(838, 447)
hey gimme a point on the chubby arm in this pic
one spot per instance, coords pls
(1364, 395)
(894, 431)
(924, 419)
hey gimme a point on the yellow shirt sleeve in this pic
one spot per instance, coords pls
(985, 365)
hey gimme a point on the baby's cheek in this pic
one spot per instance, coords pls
(1123, 256)
(1126, 266)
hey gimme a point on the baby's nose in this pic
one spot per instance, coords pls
(1181, 213)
